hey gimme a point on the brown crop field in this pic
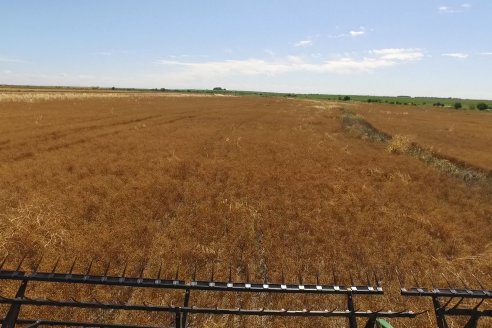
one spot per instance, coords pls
(462, 135)
(263, 183)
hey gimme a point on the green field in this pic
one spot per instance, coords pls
(466, 104)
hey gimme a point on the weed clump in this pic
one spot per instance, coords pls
(399, 144)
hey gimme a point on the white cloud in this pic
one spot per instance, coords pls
(399, 54)
(359, 32)
(355, 34)
(444, 9)
(304, 43)
(377, 59)
(486, 53)
(351, 34)
(451, 10)
(457, 55)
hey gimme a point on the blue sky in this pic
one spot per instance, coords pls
(379, 47)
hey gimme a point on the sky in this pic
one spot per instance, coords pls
(379, 47)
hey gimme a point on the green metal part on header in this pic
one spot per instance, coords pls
(381, 323)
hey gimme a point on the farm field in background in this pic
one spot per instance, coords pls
(263, 183)
(462, 135)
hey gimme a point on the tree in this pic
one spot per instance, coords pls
(457, 105)
(482, 106)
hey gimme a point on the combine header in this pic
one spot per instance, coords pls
(444, 304)
(182, 312)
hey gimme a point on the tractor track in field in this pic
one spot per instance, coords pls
(358, 126)
(38, 151)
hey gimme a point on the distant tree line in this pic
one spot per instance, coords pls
(483, 106)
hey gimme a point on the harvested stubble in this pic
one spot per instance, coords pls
(262, 183)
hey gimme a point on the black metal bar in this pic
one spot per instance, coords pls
(446, 292)
(78, 324)
(299, 313)
(281, 288)
(93, 280)
(178, 319)
(216, 311)
(447, 309)
(371, 323)
(473, 322)
(194, 285)
(440, 316)
(87, 305)
(14, 310)
(34, 325)
(351, 317)
(186, 304)
(467, 312)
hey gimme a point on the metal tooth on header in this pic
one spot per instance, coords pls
(56, 265)
(351, 278)
(90, 267)
(193, 276)
(447, 303)
(176, 276)
(447, 281)
(39, 263)
(142, 270)
(283, 277)
(335, 280)
(479, 282)
(3, 262)
(230, 273)
(265, 277)
(73, 265)
(432, 282)
(124, 269)
(368, 279)
(317, 278)
(478, 305)
(458, 303)
(20, 264)
(300, 278)
(107, 268)
(415, 279)
(462, 281)
(378, 281)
